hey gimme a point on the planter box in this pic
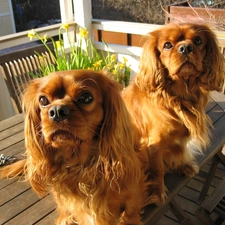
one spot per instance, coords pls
(184, 13)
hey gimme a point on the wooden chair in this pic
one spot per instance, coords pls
(19, 68)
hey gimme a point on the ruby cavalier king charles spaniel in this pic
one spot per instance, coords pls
(179, 66)
(80, 147)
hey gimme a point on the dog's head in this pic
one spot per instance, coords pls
(77, 115)
(186, 52)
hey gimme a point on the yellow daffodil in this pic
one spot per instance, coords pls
(83, 33)
(109, 66)
(44, 38)
(116, 66)
(58, 44)
(97, 64)
(65, 26)
(42, 59)
(31, 34)
(125, 60)
(113, 58)
(115, 72)
(122, 66)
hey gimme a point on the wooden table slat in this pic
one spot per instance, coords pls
(219, 98)
(5, 124)
(34, 213)
(11, 131)
(49, 219)
(11, 209)
(16, 149)
(215, 114)
(211, 104)
(12, 191)
(12, 140)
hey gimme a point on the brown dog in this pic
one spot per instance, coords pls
(80, 147)
(179, 66)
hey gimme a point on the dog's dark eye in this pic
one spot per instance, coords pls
(167, 45)
(85, 98)
(197, 40)
(43, 101)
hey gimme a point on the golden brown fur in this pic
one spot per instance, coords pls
(80, 147)
(179, 66)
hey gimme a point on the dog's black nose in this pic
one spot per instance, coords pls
(58, 113)
(185, 49)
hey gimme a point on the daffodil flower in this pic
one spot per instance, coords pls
(83, 33)
(113, 58)
(32, 34)
(65, 26)
(125, 60)
(58, 44)
(44, 38)
(122, 66)
(115, 72)
(97, 64)
(116, 66)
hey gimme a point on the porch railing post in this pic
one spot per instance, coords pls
(66, 10)
(83, 16)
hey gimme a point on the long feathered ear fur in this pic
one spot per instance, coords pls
(35, 148)
(150, 74)
(117, 139)
(214, 64)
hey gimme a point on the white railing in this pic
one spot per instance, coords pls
(12, 40)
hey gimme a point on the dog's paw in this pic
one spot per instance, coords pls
(157, 195)
(188, 169)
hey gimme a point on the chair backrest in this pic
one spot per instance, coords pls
(18, 69)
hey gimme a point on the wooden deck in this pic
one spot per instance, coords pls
(20, 205)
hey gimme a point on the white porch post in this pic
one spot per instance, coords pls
(66, 10)
(83, 17)
(83, 14)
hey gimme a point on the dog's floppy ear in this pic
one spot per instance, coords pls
(214, 63)
(150, 74)
(117, 138)
(34, 151)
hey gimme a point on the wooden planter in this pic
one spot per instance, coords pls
(182, 12)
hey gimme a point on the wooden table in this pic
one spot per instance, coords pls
(20, 205)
